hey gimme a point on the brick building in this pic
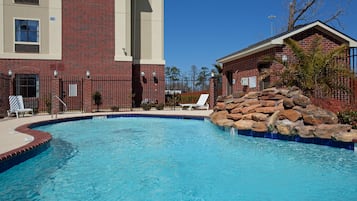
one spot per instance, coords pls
(71, 48)
(245, 70)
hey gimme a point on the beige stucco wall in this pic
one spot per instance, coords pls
(148, 28)
(49, 13)
(123, 30)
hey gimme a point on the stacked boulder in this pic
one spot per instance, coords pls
(284, 111)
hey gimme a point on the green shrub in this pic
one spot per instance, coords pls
(115, 108)
(146, 106)
(159, 106)
(348, 117)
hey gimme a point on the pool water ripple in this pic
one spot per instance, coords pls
(172, 159)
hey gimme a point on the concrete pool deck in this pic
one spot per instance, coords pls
(10, 139)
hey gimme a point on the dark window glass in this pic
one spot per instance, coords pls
(26, 30)
(32, 2)
(26, 85)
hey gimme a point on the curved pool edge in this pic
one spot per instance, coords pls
(42, 139)
(27, 151)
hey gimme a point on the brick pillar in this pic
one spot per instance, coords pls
(87, 95)
(55, 88)
(211, 93)
(11, 85)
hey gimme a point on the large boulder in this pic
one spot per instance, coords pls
(218, 116)
(345, 136)
(286, 127)
(259, 127)
(305, 131)
(326, 131)
(237, 110)
(252, 95)
(225, 122)
(266, 110)
(244, 124)
(250, 109)
(301, 100)
(259, 116)
(292, 115)
(231, 106)
(313, 115)
(288, 103)
(250, 102)
(268, 103)
(235, 117)
(220, 106)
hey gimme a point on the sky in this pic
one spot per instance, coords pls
(198, 32)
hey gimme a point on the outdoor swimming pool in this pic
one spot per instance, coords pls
(141, 158)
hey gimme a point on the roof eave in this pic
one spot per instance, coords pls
(248, 52)
(280, 41)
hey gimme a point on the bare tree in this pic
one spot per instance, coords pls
(307, 11)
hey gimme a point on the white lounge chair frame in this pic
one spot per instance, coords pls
(17, 106)
(201, 103)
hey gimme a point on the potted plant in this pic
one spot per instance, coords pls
(97, 97)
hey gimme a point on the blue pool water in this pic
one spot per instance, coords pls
(157, 159)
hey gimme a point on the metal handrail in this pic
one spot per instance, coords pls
(61, 101)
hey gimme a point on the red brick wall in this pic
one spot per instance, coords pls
(88, 44)
(248, 66)
(148, 87)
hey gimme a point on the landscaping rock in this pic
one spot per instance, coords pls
(235, 117)
(218, 116)
(301, 100)
(266, 110)
(231, 106)
(259, 117)
(288, 103)
(345, 136)
(252, 95)
(250, 109)
(313, 115)
(305, 131)
(250, 102)
(291, 115)
(285, 111)
(325, 131)
(220, 106)
(225, 122)
(259, 127)
(268, 103)
(244, 124)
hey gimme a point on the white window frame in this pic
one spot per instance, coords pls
(26, 43)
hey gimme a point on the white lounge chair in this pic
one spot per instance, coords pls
(17, 106)
(201, 103)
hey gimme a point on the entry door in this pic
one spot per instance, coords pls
(229, 76)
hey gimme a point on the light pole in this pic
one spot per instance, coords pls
(271, 18)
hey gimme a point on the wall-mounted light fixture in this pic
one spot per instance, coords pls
(88, 74)
(55, 73)
(212, 74)
(284, 58)
(9, 72)
(154, 77)
(124, 51)
(142, 74)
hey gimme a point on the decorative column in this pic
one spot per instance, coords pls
(211, 91)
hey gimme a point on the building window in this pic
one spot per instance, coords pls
(27, 36)
(32, 2)
(27, 85)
